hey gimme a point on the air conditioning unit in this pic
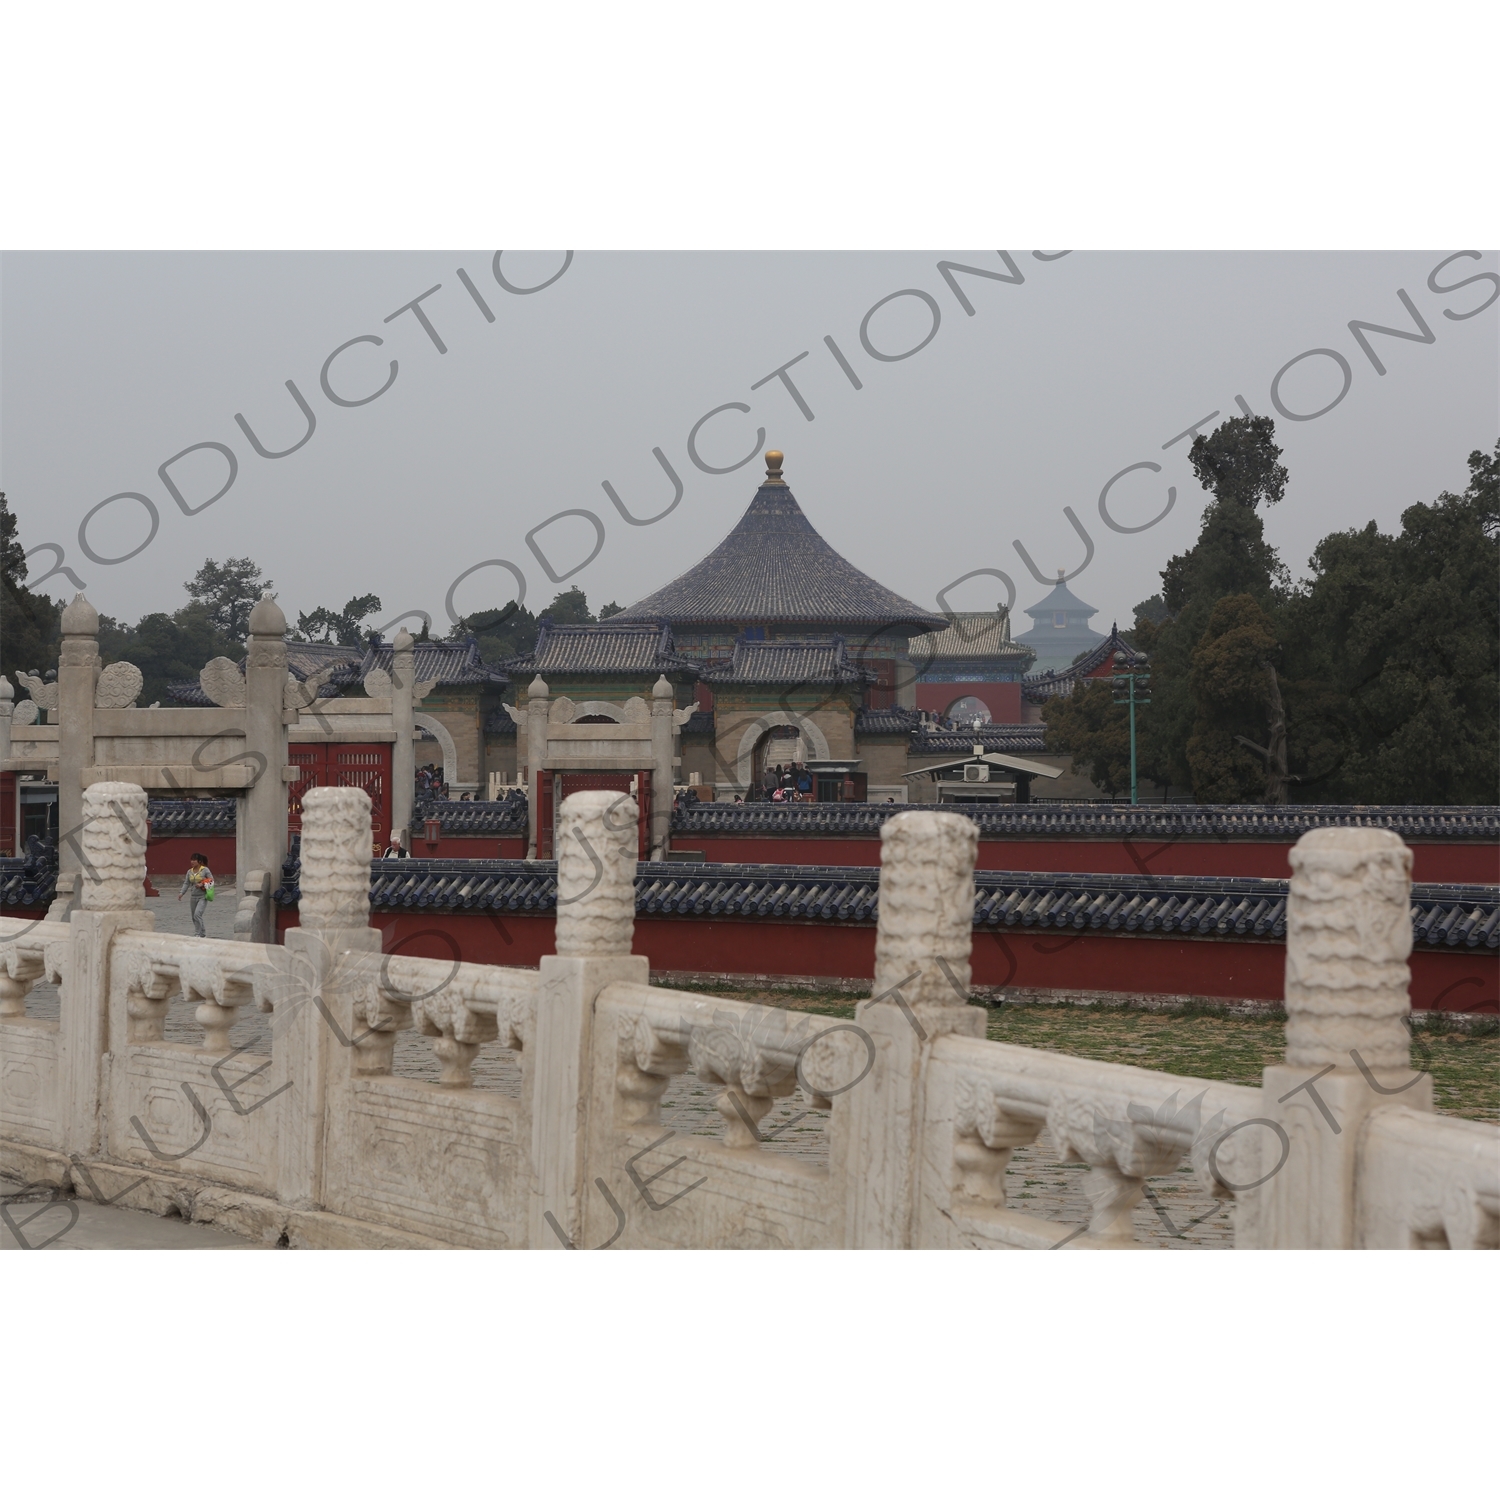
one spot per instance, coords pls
(976, 773)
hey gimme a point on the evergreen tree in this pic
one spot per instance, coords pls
(570, 607)
(1095, 730)
(229, 591)
(512, 631)
(1403, 635)
(342, 625)
(1239, 465)
(501, 633)
(1236, 699)
(30, 623)
(167, 648)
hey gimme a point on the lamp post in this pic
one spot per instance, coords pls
(1127, 691)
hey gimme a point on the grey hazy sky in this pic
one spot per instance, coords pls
(112, 363)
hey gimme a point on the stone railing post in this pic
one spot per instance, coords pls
(921, 992)
(596, 863)
(1348, 937)
(112, 858)
(318, 1023)
(403, 721)
(263, 843)
(662, 779)
(537, 709)
(7, 710)
(77, 678)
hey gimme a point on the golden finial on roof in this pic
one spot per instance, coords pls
(773, 467)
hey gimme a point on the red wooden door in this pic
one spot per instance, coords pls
(9, 798)
(634, 783)
(366, 766)
(309, 759)
(882, 692)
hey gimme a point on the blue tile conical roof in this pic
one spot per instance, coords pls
(774, 567)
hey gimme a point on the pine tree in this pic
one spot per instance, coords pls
(1239, 464)
(228, 591)
(30, 623)
(1402, 636)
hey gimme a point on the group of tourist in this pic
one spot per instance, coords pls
(788, 783)
(430, 784)
(951, 726)
(430, 787)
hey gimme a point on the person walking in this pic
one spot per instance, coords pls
(198, 883)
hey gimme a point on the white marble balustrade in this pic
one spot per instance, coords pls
(300, 1128)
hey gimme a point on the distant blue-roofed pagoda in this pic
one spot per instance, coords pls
(1060, 629)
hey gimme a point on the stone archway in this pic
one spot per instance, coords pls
(744, 760)
(594, 709)
(439, 731)
(967, 707)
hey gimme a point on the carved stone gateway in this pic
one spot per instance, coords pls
(640, 739)
(320, 1144)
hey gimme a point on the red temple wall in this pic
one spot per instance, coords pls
(1003, 699)
(170, 856)
(1458, 979)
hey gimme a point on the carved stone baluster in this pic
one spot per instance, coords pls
(459, 1032)
(146, 1002)
(383, 1016)
(984, 1138)
(19, 970)
(456, 1059)
(217, 1021)
(742, 1116)
(646, 1065)
(219, 998)
(385, 989)
(146, 1017)
(375, 1053)
(727, 1053)
(1122, 1147)
(13, 994)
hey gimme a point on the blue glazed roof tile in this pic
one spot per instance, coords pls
(788, 662)
(775, 567)
(612, 646)
(1157, 822)
(1238, 907)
